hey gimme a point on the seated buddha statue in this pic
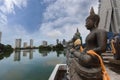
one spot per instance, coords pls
(85, 66)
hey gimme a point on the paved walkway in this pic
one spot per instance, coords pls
(113, 75)
(112, 69)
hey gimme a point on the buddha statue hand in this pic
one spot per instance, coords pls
(88, 60)
(77, 47)
(72, 50)
(85, 59)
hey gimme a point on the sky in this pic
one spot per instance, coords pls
(43, 20)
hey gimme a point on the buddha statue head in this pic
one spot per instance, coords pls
(94, 17)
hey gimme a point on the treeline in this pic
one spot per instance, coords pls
(5, 48)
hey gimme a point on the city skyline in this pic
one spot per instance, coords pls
(45, 20)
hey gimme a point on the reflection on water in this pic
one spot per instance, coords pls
(60, 52)
(29, 64)
(17, 54)
(5, 55)
(45, 53)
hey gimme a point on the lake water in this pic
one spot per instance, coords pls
(29, 64)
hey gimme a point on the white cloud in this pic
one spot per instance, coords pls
(54, 33)
(10, 32)
(60, 21)
(3, 19)
(65, 16)
(48, 1)
(8, 7)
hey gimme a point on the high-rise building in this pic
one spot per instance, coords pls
(64, 43)
(31, 43)
(0, 36)
(44, 43)
(25, 45)
(57, 41)
(109, 12)
(18, 43)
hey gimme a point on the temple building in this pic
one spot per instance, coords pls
(109, 12)
(78, 34)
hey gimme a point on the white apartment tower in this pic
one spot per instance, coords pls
(109, 12)
(31, 43)
(44, 43)
(18, 43)
(25, 45)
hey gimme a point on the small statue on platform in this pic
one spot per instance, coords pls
(84, 66)
(115, 44)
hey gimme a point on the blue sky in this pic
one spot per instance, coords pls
(43, 19)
